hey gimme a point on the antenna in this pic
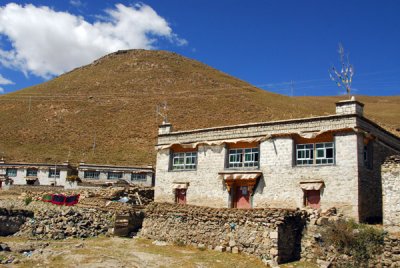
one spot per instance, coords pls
(162, 110)
(344, 77)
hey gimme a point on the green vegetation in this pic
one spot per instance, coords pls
(28, 200)
(360, 241)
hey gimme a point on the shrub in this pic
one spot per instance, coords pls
(360, 241)
(28, 200)
(179, 242)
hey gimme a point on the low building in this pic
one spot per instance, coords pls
(319, 162)
(35, 173)
(143, 176)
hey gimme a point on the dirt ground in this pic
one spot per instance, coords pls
(120, 252)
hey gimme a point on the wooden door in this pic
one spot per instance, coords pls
(180, 196)
(313, 199)
(242, 199)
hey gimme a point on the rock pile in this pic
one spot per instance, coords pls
(69, 222)
(11, 220)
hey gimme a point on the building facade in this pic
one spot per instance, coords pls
(319, 162)
(35, 173)
(143, 176)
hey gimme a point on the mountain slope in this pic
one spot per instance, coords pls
(105, 112)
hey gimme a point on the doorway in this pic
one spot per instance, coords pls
(180, 196)
(312, 199)
(242, 197)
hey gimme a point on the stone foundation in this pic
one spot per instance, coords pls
(271, 234)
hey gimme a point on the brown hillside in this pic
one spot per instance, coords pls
(113, 100)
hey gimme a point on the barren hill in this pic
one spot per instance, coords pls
(111, 104)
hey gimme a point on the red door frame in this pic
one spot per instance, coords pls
(180, 196)
(241, 196)
(313, 198)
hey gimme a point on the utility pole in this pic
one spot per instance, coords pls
(291, 88)
(94, 143)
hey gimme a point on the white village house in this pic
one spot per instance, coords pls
(143, 176)
(320, 162)
(35, 173)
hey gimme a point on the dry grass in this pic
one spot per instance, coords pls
(114, 100)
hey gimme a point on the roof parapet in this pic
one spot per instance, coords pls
(350, 107)
(164, 128)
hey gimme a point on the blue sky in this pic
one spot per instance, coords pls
(266, 43)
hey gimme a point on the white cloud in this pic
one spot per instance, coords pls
(5, 81)
(76, 3)
(1, 90)
(46, 42)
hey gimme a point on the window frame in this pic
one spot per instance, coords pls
(185, 157)
(57, 173)
(85, 172)
(240, 155)
(8, 174)
(119, 174)
(312, 154)
(144, 175)
(29, 170)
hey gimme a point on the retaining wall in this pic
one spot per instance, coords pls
(271, 234)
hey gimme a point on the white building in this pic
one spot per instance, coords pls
(320, 162)
(108, 173)
(36, 173)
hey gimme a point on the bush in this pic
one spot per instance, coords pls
(28, 200)
(360, 241)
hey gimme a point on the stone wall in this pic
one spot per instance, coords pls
(391, 192)
(313, 248)
(271, 234)
(11, 220)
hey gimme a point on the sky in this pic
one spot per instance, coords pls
(283, 46)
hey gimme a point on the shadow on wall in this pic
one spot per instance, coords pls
(289, 239)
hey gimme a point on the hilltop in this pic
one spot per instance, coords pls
(111, 103)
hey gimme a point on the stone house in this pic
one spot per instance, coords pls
(143, 176)
(391, 193)
(35, 173)
(319, 162)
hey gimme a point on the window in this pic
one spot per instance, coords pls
(305, 154)
(53, 174)
(138, 177)
(324, 153)
(91, 174)
(243, 157)
(318, 153)
(184, 161)
(367, 155)
(11, 172)
(31, 172)
(114, 175)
